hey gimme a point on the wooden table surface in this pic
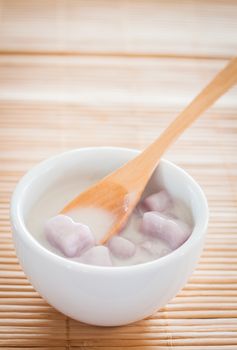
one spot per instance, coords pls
(106, 72)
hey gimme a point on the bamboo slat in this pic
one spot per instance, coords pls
(200, 28)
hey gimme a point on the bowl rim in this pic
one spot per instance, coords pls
(19, 228)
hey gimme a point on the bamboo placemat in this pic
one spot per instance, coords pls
(96, 73)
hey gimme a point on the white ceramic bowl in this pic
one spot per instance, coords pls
(105, 296)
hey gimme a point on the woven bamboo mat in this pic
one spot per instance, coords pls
(86, 73)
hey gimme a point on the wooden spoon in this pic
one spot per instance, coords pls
(119, 192)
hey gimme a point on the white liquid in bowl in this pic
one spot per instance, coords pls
(99, 221)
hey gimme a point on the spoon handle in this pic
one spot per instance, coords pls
(223, 81)
(143, 166)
